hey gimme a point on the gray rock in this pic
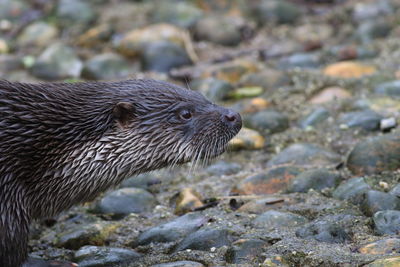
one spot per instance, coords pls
(372, 10)
(218, 29)
(214, 89)
(247, 251)
(387, 222)
(125, 201)
(57, 62)
(377, 201)
(372, 29)
(223, 168)
(38, 34)
(300, 60)
(162, 56)
(273, 219)
(314, 179)
(93, 256)
(268, 79)
(367, 119)
(144, 181)
(315, 117)
(179, 264)
(107, 66)
(352, 190)
(276, 11)
(75, 11)
(205, 239)
(12, 9)
(391, 88)
(269, 121)
(395, 191)
(173, 230)
(305, 154)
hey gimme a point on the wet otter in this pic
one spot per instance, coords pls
(62, 144)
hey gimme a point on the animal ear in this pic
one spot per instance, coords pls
(123, 113)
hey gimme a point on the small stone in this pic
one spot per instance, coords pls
(251, 105)
(81, 235)
(246, 250)
(267, 79)
(395, 191)
(124, 201)
(107, 66)
(4, 49)
(369, 30)
(367, 119)
(386, 262)
(348, 69)
(300, 60)
(371, 10)
(92, 256)
(387, 222)
(144, 181)
(179, 264)
(205, 239)
(221, 30)
(380, 247)
(391, 88)
(12, 9)
(223, 168)
(243, 92)
(38, 34)
(9, 63)
(352, 52)
(272, 181)
(330, 94)
(387, 124)
(276, 11)
(305, 154)
(375, 155)
(314, 179)
(75, 11)
(352, 190)
(315, 117)
(268, 121)
(214, 89)
(95, 36)
(317, 32)
(273, 219)
(247, 139)
(188, 199)
(376, 201)
(162, 56)
(173, 230)
(57, 62)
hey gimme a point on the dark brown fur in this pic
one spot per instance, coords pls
(62, 144)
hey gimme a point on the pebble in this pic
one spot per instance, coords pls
(273, 219)
(75, 11)
(246, 106)
(374, 155)
(318, 180)
(214, 89)
(244, 92)
(305, 154)
(271, 181)
(9, 63)
(268, 121)
(107, 66)
(376, 201)
(205, 239)
(223, 168)
(12, 9)
(179, 264)
(172, 230)
(366, 119)
(144, 181)
(352, 190)
(371, 10)
(268, 79)
(246, 250)
(4, 49)
(93, 256)
(247, 139)
(395, 191)
(187, 200)
(38, 34)
(386, 262)
(387, 222)
(391, 88)
(124, 201)
(57, 62)
(276, 11)
(219, 29)
(300, 60)
(369, 30)
(348, 69)
(330, 94)
(315, 117)
(387, 124)
(95, 36)
(381, 247)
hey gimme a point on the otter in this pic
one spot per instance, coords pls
(63, 143)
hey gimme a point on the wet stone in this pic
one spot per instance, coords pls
(391, 88)
(395, 191)
(330, 94)
(107, 66)
(221, 30)
(314, 179)
(273, 219)
(305, 154)
(329, 230)
(376, 201)
(75, 11)
(247, 139)
(4, 48)
(57, 62)
(367, 119)
(179, 264)
(187, 200)
(375, 155)
(144, 181)
(276, 11)
(380, 247)
(315, 117)
(162, 56)
(246, 250)
(268, 79)
(37, 34)
(348, 69)
(387, 222)
(173, 230)
(214, 89)
(269, 121)
(223, 168)
(369, 30)
(372, 10)
(300, 60)
(352, 190)
(93, 256)
(124, 201)
(272, 181)
(386, 262)
(12, 9)
(205, 239)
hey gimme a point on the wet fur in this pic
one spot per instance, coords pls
(62, 144)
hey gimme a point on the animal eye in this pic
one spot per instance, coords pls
(186, 114)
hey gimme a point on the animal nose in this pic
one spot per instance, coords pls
(232, 118)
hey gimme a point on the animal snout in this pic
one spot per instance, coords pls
(232, 118)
